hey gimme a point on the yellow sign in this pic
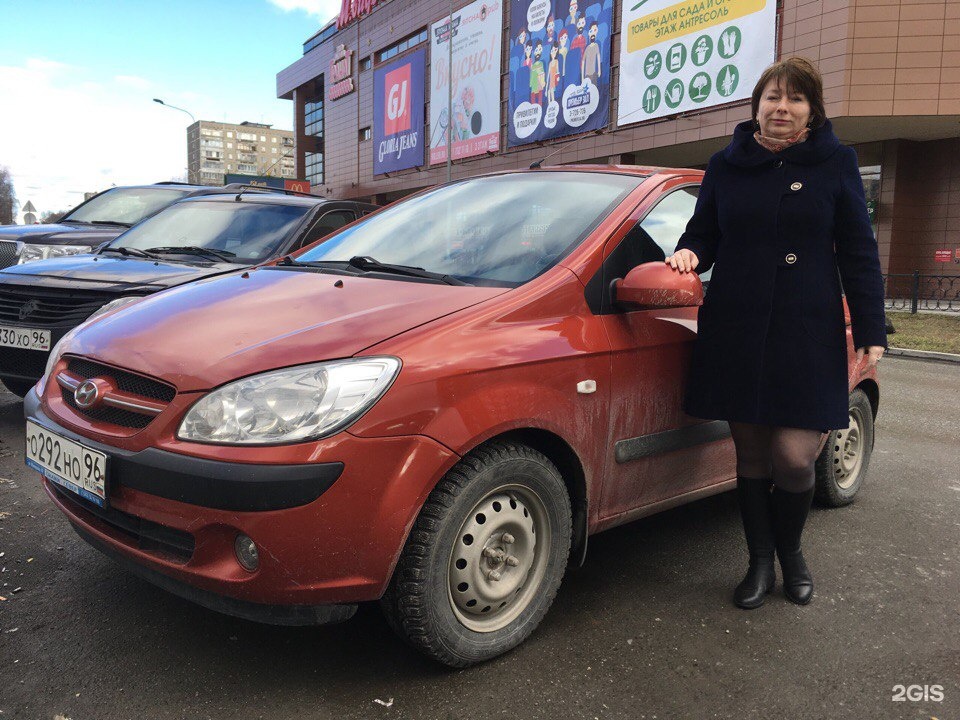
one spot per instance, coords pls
(684, 18)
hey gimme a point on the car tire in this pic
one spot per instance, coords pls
(20, 388)
(842, 464)
(485, 557)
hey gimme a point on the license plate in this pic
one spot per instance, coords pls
(69, 464)
(24, 338)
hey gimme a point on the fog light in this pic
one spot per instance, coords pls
(247, 554)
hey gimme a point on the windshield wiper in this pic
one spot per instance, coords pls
(128, 251)
(106, 222)
(365, 262)
(224, 255)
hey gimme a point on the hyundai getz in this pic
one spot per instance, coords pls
(433, 408)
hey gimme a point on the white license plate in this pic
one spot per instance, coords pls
(24, 338)
(69, 464)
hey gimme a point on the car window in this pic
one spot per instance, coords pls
(251, 231)
(501, 230)
(125, 205)
(328, 222)
(655, 237)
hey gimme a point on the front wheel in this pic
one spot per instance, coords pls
(485, 556)
(843, 462)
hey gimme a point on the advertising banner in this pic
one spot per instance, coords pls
(559, 68)
(690, 55)
(477, 31)
(398, 99)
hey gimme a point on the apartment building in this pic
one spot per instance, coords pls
(215, 149)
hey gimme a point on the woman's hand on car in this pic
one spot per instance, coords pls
(874, 353)
(683, 260)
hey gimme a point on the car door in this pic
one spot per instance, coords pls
(655, 451)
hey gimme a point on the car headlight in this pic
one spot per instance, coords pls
(54, 357)
(33, 252)
(291, 405)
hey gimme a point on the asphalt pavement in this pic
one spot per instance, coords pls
(645, 630)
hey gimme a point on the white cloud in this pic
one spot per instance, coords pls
(63, 133)
(322, 9)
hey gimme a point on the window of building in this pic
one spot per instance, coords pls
(402, 46)
(366, 63)
(246, 136)
(273, 139)
(263, 138)
(212, 154)
(229, 134)
(313, 115)
(324, 34)
(246, 167)
(287, 142)
(273, 151)
(365, 134)
(229, 146)
(211, 133)
(215, 165)
(314, 168)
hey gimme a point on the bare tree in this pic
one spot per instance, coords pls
(8, 198)
(51, 217)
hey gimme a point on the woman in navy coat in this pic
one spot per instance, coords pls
(781, 217)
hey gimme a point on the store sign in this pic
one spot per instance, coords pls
(268, 181)
(942, 255)
(559, 69)
(398, 100)
(341, 73)
(690, 55)
(477, 31)
(350, 10)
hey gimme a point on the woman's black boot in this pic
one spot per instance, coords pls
(753, 497)
(790, 513)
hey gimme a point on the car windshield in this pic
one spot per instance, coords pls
(125, 206)
(501, 230)
(245, 232)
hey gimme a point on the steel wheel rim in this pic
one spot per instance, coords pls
(498, 558)
(848, 451)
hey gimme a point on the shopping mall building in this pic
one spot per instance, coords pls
(651, 82)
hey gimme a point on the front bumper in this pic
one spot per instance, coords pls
(328, 533)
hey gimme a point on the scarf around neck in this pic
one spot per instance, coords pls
(776, 145)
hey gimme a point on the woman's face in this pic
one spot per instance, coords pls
(782, 114)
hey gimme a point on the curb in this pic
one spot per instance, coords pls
(923, 354)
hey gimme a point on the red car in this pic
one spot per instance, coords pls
(433, 408)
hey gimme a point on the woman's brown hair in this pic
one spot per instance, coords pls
(795, 74)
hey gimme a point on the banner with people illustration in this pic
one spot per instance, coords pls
(477, 33)
(690, 55)
(559, 68)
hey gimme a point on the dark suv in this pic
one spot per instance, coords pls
(194, 238)
(93, 222)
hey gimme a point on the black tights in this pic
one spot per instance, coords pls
(786, 454)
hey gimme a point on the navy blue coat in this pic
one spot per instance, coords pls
(781, 231)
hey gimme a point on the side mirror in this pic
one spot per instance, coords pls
(657, 285)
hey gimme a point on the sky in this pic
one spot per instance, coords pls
(78, 78)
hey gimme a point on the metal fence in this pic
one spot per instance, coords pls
(912, 292)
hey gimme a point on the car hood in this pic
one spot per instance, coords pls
(208, 333)
(110, 272)
(60, 234)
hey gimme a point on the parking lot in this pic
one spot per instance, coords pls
(645, 629)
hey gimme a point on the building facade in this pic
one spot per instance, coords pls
(672, 79)
(216, 149)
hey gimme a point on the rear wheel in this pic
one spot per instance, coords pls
(843, 463)
(20, 388)
(485, 557)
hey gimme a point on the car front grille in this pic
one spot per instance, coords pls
(9, 254)
(138, 386)
(20, 363)
(148, 536)
(48, 308)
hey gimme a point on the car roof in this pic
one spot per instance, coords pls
(643, 171)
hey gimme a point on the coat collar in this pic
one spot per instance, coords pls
(744, 151)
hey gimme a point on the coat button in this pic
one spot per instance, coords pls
(791, 258)
(796, 186)
(779, 163)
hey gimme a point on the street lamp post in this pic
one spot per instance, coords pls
(193, 120)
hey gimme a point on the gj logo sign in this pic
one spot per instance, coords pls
(398, 104)
(398, 101)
